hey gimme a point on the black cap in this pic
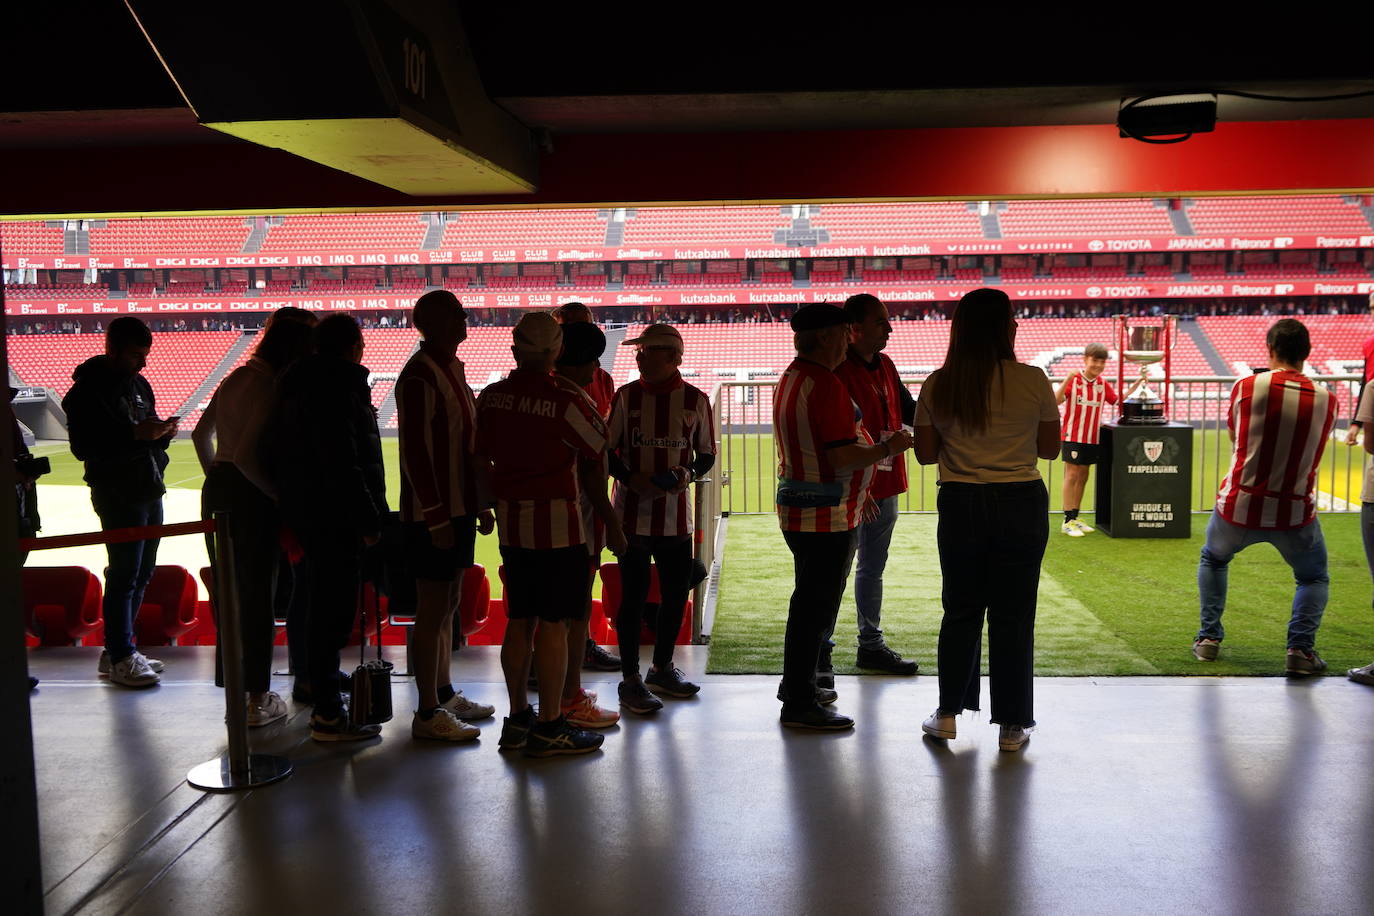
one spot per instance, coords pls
(582, 343)
(818, 316)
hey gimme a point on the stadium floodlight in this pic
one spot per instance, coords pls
(1167, 118)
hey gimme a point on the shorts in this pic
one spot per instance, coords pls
(430, 564)
(1080, 453)
(550, 584)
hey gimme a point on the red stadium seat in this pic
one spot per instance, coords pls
(62, 605)
(610, 596)
(169, 607)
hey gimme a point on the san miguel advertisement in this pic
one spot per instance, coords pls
(656, 252)
(724, 298)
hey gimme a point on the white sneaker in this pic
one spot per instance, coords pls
(1071, 530)
(938, 725)
(270, 710)
(1012, 737)
(103, 666)
(443, 726)
(1083, 526)
(463, 708)
(133, 671)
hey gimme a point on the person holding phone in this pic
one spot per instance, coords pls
(662, 438)
(114, 429)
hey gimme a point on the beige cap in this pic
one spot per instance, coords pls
(537, 332)
(659, 335)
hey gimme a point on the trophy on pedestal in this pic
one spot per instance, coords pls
(1144, 341)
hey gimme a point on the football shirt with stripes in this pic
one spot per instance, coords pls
(534, 429)
(1083, 403)
(812, 412)
(1281, 423)
(655, 428)
(441, 477)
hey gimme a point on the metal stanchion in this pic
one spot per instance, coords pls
(237, 768)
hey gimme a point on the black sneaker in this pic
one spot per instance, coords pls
(670, 682)
(824, 696)
(637, 698)
(598, 659)
(33, 682)
(516, 729)
(884, 659)
(552, 739)
(814, 716)
(340, 728)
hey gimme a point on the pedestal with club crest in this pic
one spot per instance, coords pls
(1145, 481)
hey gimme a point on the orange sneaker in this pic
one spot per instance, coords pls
(584, 713)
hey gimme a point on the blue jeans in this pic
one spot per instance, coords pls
(1367, 533)
(130, 568)
(1303, 549)
(874, 539)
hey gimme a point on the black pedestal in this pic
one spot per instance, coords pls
(1145, 481)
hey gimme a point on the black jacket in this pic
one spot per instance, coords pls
(322, 448)
(103, 407)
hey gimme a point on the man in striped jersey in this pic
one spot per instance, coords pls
(886, 406)
(1086, 392)
(662, 438)
(1280, 423)
(600, 388)
(534, 429)
(825, 461)
(444, 503)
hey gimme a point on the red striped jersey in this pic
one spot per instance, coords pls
(875, 391)
(1083, 403)
(813, 411)
(593, 527)
(441, 477)
(602, 391)
(655, 428)
(534, 429)
(1281, 423)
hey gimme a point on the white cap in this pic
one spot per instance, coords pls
(659, 335)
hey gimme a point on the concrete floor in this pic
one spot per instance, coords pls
(1159, 795)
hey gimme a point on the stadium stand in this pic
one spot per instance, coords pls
(359, 231)
(174, 370)
(30, 238)
(1276, 215)
(859, 222)
(56, 290)
(198, 235)
(695, 225)
(1085, 217)
(524, 227)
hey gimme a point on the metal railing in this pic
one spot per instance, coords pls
(747, 464)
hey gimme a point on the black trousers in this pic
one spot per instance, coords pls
(254, 528)
(673, 557)
(992, 538)
(333, 574)
(820, 564)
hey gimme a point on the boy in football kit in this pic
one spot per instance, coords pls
(534, 429)
(662, 437)
(1086, 393)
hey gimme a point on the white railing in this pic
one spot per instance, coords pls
(747, 467)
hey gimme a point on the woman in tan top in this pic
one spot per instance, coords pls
(986, 419)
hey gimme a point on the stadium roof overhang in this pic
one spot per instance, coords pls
(544, 108)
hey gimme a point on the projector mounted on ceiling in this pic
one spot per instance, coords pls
(1167, 118)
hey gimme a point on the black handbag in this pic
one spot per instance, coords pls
(371, 699)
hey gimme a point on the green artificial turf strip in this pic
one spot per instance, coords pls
(1107, 606)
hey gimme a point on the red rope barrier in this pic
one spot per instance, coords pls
(116, 535)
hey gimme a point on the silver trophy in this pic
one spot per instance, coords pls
(1145, 345)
